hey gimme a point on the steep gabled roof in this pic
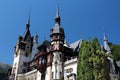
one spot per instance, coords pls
(46, 44)
(27, 35)
(76, 45)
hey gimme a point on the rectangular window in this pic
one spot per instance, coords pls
(43, 61)
(40, 60)
(60, 74)
(52, 75)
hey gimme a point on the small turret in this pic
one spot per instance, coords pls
(35, 38)
(57, 29)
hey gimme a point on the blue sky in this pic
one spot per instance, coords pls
(79, 18)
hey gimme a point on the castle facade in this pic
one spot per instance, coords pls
(51, 60)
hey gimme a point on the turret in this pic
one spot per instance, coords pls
(57, 41)
(57, 35)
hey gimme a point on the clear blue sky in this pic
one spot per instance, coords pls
(79, 18)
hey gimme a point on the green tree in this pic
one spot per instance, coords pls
(91, 61)
(115, 51)
(84, 61)
(99, 61)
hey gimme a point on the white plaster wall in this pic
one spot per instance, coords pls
(70, 64)
(32, 75)
(38, 76)
(59, 66)
(16, 61)
(48, 73)
(19, 61)
(22, 59)
(20, 77)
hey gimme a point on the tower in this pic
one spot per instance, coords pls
(57, 41)
(22, 53)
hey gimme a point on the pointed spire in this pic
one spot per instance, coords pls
(57, 12)
(27, 31)
(57, 18)
(105, 39)
(106, 46)
(28, 23)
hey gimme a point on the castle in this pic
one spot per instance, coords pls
(51, 60)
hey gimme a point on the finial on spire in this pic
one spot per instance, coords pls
(28, 23)
(57, 18)
(57, 11)
(28, 20)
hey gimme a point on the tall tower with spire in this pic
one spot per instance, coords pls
(22, 53)
(57, 37)
(112, 68)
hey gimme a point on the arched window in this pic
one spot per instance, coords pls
(40, 60)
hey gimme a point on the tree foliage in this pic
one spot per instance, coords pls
(115, 51)
(91, 61)
(84, 68)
